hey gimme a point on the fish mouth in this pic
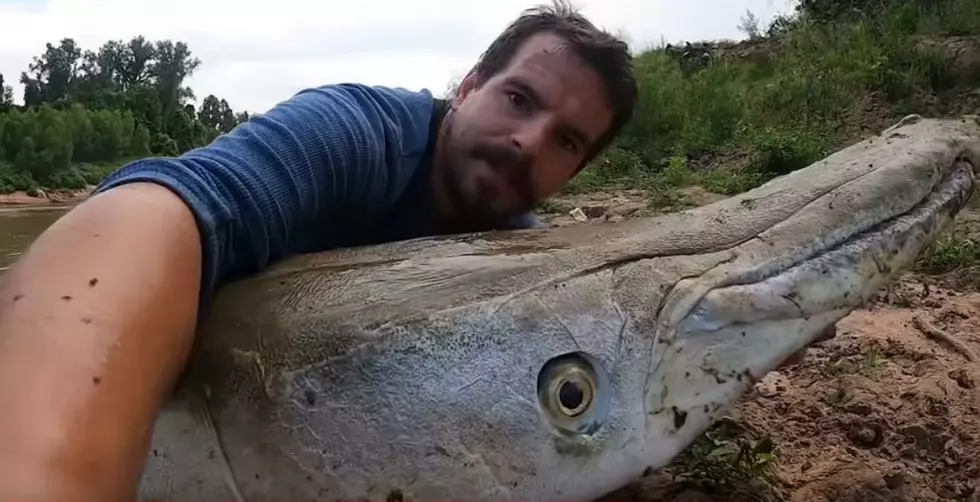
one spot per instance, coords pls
(721, 331)
(842, 277)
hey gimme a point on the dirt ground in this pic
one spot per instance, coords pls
(880, 412)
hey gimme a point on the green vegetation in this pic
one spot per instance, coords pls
(725, 116)
(728, 463)
(955, 257)
(867, 363)
(951, 253)
(730, 116)
(87, 112)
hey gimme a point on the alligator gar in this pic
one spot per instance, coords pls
(547, 364)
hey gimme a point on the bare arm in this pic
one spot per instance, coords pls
(96, 321)
(97, 318)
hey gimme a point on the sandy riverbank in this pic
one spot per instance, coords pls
(57, 197)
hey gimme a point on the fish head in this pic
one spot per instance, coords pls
(749, 282)
(863, 216)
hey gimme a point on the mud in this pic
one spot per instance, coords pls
(879, 412)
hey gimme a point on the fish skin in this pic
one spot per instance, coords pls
(411, 370)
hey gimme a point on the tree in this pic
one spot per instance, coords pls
(6, 95)
(750, 25)
(123, 99)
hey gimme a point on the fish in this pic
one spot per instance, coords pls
(541, 364)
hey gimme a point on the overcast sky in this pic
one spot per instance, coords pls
(255, 54)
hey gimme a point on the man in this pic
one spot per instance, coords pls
(97, 318)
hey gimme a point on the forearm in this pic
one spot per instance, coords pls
(96, 321)
(97, 318)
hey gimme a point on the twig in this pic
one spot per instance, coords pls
(939, 335)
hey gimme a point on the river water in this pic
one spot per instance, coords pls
(19, 226)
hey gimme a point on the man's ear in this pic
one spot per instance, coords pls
(469, 84)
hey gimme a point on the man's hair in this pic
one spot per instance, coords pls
(609, 56)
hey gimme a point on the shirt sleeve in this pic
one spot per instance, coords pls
(259, 192)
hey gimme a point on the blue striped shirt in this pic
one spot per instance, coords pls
(335, 166)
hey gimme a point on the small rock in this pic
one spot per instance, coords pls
(814, 412)
(952, 452)
(959, 313)
(895, 480)
(594, 211)
(864, 435)
(918, 432)
(962, 378)
(616, 218)
(772, 384)
(578, 215)
(947, 492)
(858, 408)
(932, 303)
(939, 408)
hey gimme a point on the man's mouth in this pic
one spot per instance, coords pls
(492, 189)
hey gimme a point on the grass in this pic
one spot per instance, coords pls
(867, 364)
(77, 177)
(951, 253)
(770, 107)
(735, 122)
(955, 259)
(726, 463)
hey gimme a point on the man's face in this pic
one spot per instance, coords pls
(519, 136)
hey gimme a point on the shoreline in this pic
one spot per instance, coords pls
(21, 199)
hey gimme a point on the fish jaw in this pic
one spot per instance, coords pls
(720, 332)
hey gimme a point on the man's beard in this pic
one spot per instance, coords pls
(511, 163)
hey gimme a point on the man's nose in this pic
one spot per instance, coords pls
(531, 136)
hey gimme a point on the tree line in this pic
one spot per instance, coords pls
(121, 101)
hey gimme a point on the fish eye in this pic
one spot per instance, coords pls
(573, 393)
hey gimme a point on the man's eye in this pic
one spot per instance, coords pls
(517, 99)
(568, 144)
